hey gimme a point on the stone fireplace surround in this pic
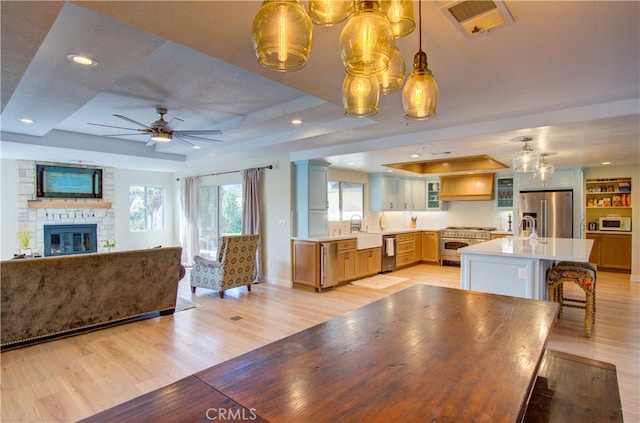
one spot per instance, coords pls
(79, 211)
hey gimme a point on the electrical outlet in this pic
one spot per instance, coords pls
(522, 272)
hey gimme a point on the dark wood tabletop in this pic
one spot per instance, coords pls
(425, 354)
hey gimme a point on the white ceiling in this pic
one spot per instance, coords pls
(566, 73)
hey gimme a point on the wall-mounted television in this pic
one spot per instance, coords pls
(68, 182)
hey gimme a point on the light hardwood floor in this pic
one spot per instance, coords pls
(68, 379)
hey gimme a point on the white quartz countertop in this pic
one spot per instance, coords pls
(569, 249)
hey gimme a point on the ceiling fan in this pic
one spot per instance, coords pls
(162, 131)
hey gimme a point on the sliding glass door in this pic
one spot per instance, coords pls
(219, 214)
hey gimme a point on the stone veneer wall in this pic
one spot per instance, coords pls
(33, 220)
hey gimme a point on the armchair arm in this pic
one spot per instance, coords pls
(206, 262)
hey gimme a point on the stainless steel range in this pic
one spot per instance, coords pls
(454, 237)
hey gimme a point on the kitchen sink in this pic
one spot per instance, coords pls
(367, 240)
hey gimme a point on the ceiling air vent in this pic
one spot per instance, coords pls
(474, 17)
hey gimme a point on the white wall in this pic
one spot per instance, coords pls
(8, 218)
(127, 240)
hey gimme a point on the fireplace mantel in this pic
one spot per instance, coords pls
(68, 204)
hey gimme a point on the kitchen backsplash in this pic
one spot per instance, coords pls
(458, 213)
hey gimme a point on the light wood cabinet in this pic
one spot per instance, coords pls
(467, 187)
(305, 263)
(346, 265)
(611, 251)
(368, 262)
(430, 246)
(405, 249)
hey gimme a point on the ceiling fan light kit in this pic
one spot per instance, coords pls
(282, 35)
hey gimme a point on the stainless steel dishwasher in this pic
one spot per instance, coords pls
(328, 270)
(388, 253)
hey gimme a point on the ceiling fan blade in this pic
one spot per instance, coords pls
(183, 136)
(133, 121)
(183, 141)
(201, 132)
(117, 127)
(173, 123)
(122, 135)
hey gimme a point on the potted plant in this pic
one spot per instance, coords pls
(24, 238)
(108, 244)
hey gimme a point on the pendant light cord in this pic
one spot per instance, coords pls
(420, 25)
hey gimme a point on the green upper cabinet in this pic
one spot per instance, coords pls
(504, 193)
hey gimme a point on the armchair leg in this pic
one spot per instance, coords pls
(193, 289)
(221, 293)
(249, 287)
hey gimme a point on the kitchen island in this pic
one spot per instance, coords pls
(517, 266)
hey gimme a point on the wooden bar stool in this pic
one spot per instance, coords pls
(583, 275)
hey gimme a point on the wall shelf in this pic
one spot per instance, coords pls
(68, 204)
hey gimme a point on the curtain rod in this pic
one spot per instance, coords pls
(230, 171)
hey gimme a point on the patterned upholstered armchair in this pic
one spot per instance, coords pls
(235, 265)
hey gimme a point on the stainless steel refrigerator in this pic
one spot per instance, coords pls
(552, 212)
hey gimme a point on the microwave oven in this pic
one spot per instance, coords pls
(615, 223)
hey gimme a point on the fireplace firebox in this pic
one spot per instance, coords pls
(70, 239)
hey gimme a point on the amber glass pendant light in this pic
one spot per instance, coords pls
(282, 35)
(360, 95)
(420, 94)
(330, 12)
(400, 14)
(392, 79)
(367, 41)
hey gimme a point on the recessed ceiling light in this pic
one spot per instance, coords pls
(415, 156)
(296, 122)
(390, 171)
(25, 120)
(82, 59)
(196, 147)
(351, 163)
(606, 163)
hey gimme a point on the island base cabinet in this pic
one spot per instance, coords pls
(611, 251)
(515, 277)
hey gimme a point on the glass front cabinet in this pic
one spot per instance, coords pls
(504, 193)
(433, 193)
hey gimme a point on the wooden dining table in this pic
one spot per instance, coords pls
(424, 354)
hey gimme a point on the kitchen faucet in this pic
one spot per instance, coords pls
(357, 226)
(528, 218)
